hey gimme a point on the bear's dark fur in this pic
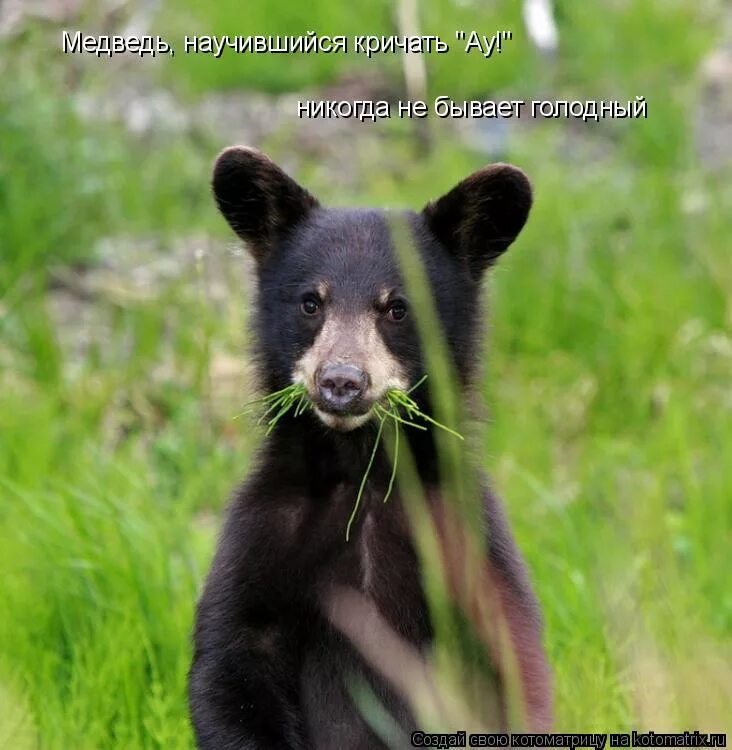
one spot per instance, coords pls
(270, 668)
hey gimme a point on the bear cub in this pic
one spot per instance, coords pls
(272, 667)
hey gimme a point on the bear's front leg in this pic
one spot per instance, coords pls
(242, 693)
(498, 599)
(244, 682)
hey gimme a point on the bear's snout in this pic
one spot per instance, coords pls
(340, 385)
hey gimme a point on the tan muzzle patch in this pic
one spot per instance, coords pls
(350, 339)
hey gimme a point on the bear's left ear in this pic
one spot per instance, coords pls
(260, 202)
(482, 215)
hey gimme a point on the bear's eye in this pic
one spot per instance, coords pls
(396, 311)
(310, 304)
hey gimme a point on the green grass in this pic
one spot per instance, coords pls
(292, 398)
(608, 380)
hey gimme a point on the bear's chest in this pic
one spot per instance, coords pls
(371, 607)
(378, 560)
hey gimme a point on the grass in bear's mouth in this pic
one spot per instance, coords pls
(279, 403)
(398, 406)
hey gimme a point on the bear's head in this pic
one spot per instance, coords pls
(332, 311)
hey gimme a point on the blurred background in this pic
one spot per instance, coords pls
(123, 335)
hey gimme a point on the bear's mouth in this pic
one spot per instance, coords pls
(342, 421)
(345, 418)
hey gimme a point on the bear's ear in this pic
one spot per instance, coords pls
(482, 215)
(260, 202)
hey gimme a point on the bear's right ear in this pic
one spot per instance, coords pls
(482, 215)
(260, 202)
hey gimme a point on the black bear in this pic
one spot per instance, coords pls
(271, 667)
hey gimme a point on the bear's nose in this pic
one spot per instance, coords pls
(340, 385)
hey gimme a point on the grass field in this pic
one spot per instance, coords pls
(609, 378)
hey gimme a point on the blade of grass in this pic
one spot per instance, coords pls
(395, 461)
(352, 517)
